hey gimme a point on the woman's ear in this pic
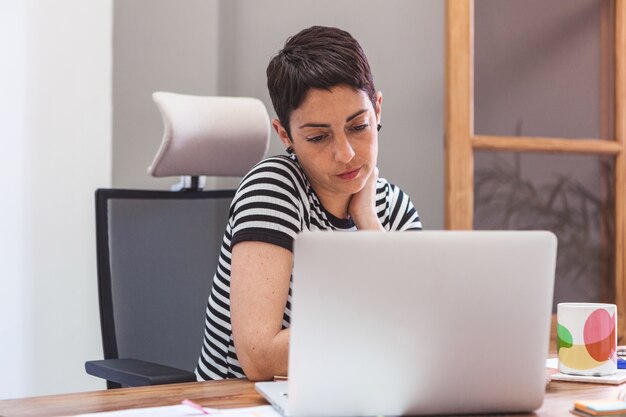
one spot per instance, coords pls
(282, 133)
(379, 104)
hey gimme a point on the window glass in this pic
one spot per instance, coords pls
(543, 68)
(571, 195)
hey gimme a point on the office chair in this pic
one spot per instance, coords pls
(157, 251)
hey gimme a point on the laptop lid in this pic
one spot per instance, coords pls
(419, 323)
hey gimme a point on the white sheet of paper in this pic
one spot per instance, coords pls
(186, 411)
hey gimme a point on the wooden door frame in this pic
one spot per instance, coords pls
(460, 140)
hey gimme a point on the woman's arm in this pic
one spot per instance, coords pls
(260, 275)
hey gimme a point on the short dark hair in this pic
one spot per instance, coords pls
(318, 57)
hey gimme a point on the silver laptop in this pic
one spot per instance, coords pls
(417, 323)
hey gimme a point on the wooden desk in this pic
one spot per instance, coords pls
(560, 397)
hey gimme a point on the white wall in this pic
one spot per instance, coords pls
(12, 322)
(56, 102)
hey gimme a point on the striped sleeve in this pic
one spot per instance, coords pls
(403, 215)
(266, 206)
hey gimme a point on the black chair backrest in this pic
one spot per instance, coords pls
(157, 253)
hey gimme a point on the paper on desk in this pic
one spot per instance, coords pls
(186, 411)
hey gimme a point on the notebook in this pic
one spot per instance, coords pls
(417, 323)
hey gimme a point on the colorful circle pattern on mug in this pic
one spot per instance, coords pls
(598, 345)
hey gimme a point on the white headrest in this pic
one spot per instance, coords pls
(213, 136)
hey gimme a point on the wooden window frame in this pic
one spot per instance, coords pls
(460, 140)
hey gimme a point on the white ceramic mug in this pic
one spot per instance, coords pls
(587, 338)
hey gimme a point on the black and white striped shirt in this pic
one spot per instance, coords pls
(274, 202)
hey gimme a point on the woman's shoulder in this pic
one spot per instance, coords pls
(278, 165)
(384, 186)
(281, 173)
(390, 193)
(399, 212)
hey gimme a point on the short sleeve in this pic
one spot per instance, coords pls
(403, 215)
(265, 207)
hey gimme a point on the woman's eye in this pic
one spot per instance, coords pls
(360, 127)
(315, 139)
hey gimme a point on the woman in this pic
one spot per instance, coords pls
(328, 113)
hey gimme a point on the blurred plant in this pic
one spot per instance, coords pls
(581, 218)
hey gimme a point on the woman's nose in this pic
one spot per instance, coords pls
(343, 149)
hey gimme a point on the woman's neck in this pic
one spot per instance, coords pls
(337, 205)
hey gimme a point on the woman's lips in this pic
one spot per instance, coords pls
(348, 175)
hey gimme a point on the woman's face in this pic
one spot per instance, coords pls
(335, 138)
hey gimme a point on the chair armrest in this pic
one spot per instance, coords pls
(136, 373)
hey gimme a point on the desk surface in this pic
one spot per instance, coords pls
(560, 397)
